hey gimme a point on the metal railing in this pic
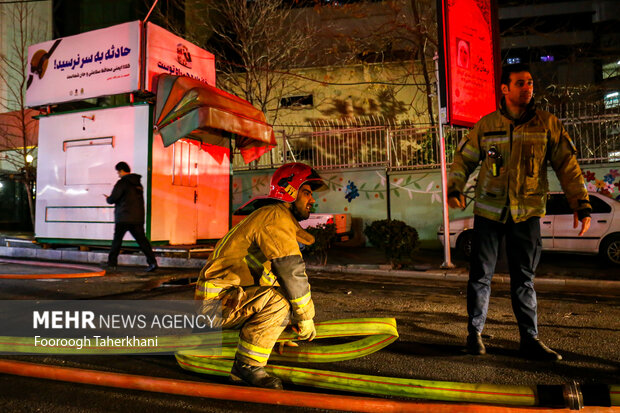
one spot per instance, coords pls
(374, 142)
(595, 130)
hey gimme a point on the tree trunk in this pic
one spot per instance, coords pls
(422, 57)
(30, 203)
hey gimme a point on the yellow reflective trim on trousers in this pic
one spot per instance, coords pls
(301, 301)
(253, 352)
(209, 290)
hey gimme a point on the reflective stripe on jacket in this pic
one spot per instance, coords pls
(261, 250)
(520, 183)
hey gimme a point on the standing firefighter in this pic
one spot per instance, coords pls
(257, 275)
(513, 146)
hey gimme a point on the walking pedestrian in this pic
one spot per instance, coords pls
(128, 199)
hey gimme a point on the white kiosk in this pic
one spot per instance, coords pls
(184, 163)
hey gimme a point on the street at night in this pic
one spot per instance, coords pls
(582, 325)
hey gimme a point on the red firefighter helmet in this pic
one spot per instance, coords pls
(288, 178)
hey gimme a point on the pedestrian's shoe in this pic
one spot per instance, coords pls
(110, 267)
(152, 267)
(475, 345)
(533, 349)
(254, 376)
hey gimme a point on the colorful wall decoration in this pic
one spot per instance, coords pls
(415, 196)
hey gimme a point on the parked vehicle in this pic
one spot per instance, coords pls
(342, 221)
(557, 230)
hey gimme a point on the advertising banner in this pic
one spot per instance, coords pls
(470, 56)
(167, 53)
(96, 63)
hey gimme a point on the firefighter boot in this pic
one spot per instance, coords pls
(475, 345)
(254, 376)
(533, 349)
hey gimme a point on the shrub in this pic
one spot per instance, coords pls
(324, 236)
(396, 239)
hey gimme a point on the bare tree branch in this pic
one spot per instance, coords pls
(17, 124)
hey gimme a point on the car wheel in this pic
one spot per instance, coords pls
(610, 249)
(464, 243)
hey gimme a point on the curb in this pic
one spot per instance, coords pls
(97, 258)
(572, 284)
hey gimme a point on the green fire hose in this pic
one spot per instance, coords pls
(213, 353)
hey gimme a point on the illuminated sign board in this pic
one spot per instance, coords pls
(470, 59)
(108, 62)
(167, 53)
(87, 65)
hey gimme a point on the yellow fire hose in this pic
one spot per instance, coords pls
(213, 353)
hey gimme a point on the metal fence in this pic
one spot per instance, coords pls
(594, 128)
(365, 142)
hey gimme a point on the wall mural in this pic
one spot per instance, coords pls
(606, 186)
(415, 195)
(399, 186)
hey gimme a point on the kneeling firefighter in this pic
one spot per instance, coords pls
(256, 275)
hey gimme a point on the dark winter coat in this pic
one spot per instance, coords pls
(128, 199)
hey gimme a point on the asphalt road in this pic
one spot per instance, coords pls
(582, 326)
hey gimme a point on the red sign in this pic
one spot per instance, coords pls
(167, 53)
(470, 46)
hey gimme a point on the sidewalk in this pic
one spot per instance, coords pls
(555, 271)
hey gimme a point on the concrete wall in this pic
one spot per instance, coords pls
(415, 195)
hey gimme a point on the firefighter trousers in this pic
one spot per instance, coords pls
(261, 313)
(523, 249)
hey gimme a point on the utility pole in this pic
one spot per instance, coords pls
(447, 262)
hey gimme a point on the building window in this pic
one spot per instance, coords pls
(611, 70)
(297, 101)
(547, 58)
(513, 60)
(612, 100)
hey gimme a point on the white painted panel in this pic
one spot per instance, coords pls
(89, 179)
(83, 214)
(88, 164)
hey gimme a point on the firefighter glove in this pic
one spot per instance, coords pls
(306, 330)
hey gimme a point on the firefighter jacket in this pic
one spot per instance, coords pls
(513, 156)
(261, 250)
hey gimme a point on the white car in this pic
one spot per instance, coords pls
(557, 230)
(342, 221)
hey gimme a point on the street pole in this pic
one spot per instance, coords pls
(387, 175)
(447, 263)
